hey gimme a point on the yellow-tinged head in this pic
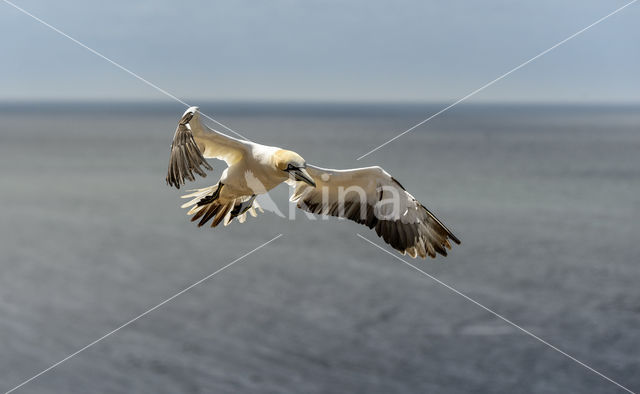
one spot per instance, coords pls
(283, 158)
(293, 164)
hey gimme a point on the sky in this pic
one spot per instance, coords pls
(285, 50)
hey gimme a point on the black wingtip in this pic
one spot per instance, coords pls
(454, 238)
(172, 182)
(449, 233)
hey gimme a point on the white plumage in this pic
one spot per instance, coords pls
(369, 196)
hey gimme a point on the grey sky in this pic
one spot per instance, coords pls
(321, 50)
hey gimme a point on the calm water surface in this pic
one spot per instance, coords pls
(546, 200)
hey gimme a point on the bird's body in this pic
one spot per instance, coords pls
(256, 162)
(369, 196)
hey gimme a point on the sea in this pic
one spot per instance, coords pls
(107, 287)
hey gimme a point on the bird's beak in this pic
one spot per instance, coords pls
(300, 174)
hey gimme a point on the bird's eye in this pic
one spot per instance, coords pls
(290, 167)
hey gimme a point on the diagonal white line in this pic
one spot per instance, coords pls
(499, 78)
(121, 67)
(142, 314)
(497, 315)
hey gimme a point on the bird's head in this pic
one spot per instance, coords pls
(294, 165)
(188, 115)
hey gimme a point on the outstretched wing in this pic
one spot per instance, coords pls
(370, 196)
(194, 142)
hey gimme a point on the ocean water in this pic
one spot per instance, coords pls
(546, 201)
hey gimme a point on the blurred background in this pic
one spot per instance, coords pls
(539, 175)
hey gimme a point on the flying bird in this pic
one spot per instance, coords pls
(369, 196)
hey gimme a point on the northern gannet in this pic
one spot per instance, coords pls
(369, 196)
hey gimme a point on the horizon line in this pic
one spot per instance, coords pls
(248, 101)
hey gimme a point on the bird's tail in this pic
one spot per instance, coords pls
(206, 205)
